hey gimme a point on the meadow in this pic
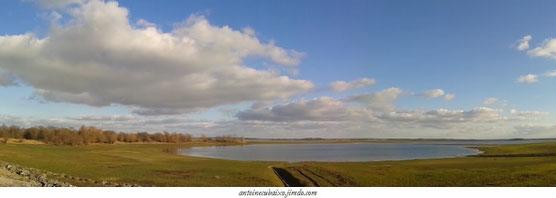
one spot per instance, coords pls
(143, 164)
(156, 165)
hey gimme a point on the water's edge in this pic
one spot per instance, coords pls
(473, 148)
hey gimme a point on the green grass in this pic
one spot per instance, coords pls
(151, 165)
(509, 165)
(143, 164)
(538, 149)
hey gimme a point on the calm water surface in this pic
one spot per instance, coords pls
(357, 152)
(330, 152)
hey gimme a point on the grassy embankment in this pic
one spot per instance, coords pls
(143, 164)
(508, 165)
(150, 164)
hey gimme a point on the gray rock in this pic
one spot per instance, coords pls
(22, 172)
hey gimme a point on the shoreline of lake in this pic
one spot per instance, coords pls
(348, 152)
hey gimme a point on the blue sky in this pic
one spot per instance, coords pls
(465, 48)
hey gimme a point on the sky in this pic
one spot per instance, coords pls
(282, 69)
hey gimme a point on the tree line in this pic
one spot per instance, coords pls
(89, 135)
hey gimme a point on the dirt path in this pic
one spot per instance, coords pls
(9, 179)
(304, 176)
(280, 177)
(293, 177)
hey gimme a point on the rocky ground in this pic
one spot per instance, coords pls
(15, 176)
(9, 179)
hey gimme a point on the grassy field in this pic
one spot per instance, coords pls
(509, 165)
(143, 164)
(152, 165)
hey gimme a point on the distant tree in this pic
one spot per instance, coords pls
(143, 137)
(4, 131)
(121, 137)
(111, 137)
(75, 140)
(88, 135)
(31, 133)
(15, 132)
(159, 137)
(203, 138)
(185, 138)
(133, 137)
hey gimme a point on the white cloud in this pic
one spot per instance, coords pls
(144, 24)
(379, 101)
(536, 130)
(550, 74)
(524, 43)
(449, 97)
(547, 49)
(434, 93)
(378, 108)
(55, 4)
(526, 115)
(105, 118)
(99, 58)
(171, 120)
(443, 117)
(326, 110)
(319, 109)
(529, 78)
(340, 86)
(490, 101)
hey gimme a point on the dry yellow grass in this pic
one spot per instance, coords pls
(20, 141)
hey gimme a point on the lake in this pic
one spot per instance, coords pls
(353, 152)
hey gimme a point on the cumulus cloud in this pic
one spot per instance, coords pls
(329, 109)
(495, 101)
(524, 43)
(435, 93)
(325, 110)
(319, 109)
(526, 115)
(529, 78)
(171, 120)
(550, 74)
(536, 130)
(442, 117)
(55, 4)
(490, 101)
(340, 86)
(449, 97)
(547, 49)
(105, 118)
(98, 58)
(31, 122)
(379, 101)
(377, 113)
